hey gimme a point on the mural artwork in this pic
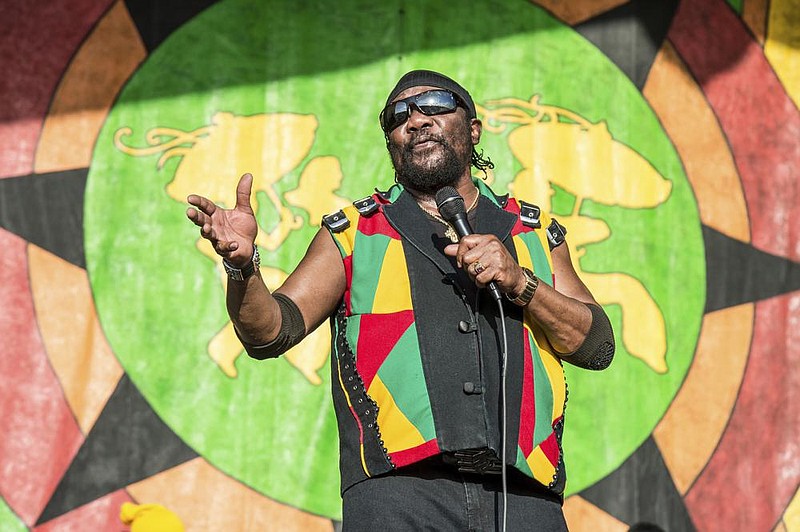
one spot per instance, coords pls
(664, 135)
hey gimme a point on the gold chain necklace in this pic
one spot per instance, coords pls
(450, 232)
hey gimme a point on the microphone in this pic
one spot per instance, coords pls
(452, 208)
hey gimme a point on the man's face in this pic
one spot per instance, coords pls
(430, 152)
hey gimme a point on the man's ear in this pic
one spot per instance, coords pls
(476, 128)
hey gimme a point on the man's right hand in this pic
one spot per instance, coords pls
(232, 232)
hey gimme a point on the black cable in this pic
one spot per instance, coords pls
(504, 416)
(504, 359)
(451, 207)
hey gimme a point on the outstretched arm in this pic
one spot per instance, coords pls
(316, 285)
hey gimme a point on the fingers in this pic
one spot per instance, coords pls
(201, 216)
(477, 267)
(481, 273)
(204, 222)
(201, 220)
(224, 249)
(230, 231)
(195, 216)
(473, 247)
(204, 204)
(243, 191)
(459, 250)
(484, 258)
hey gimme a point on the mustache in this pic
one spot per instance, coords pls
(419, 138)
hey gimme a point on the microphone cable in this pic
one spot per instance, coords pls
(503, 403)
(451, 207)
(503, 360)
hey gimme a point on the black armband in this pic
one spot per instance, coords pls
(597, 349)
(293, 329)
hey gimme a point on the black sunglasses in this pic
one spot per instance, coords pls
(429, 103)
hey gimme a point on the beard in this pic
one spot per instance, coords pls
(439, 165)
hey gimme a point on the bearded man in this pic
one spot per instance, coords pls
(447, 341)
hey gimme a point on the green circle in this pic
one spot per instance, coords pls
(9, 521)
(160, 301)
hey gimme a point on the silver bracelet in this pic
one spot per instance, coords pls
(241, 274)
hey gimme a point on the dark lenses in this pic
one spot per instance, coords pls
(430, 103)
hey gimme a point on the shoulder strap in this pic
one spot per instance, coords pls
(556, 234)
(530, 214)
(336, 222)
(366, 206)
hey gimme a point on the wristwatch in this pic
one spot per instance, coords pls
(531, 284)
(249, 269)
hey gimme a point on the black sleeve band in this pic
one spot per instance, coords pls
(597, 350)
(293, 329)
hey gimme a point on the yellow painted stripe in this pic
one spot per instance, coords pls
(783, 44)
(393, 293)
(397, 432)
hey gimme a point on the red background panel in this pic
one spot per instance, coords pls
(39, 433)
(39, 38)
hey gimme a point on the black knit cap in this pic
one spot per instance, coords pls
(417, 78)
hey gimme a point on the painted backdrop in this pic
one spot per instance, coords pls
(665, 135)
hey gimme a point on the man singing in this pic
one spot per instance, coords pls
(452, 310)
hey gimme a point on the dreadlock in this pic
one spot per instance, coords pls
(480, 162)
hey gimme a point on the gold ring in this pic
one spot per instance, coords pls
(478, 268)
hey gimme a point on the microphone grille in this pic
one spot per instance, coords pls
(450, 203)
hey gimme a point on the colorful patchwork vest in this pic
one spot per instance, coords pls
(416, 364)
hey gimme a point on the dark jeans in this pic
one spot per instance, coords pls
(434, 496)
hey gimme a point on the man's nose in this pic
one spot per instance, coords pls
(418, 120)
